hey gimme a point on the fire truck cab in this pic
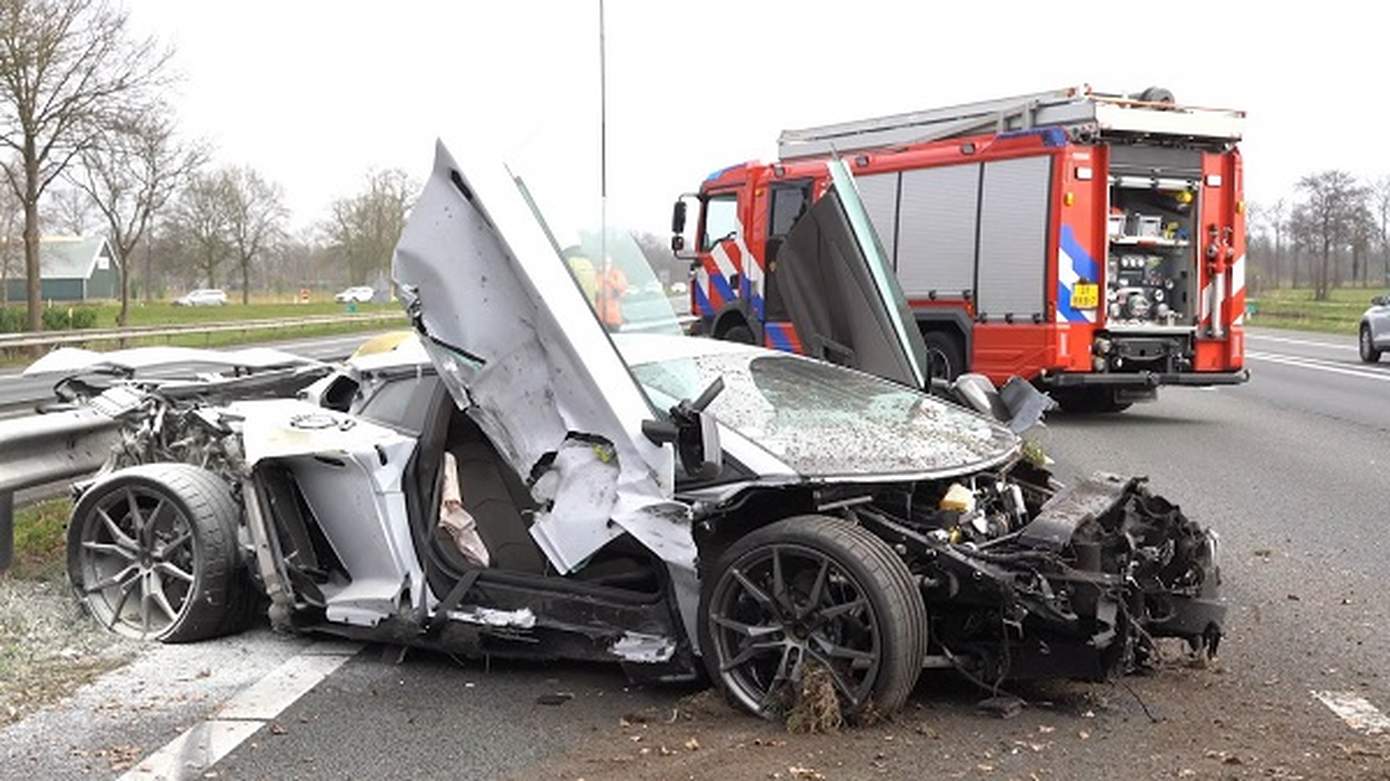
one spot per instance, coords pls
(1091, 243)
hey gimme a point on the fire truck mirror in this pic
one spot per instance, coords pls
(678, 221)
(679, 224)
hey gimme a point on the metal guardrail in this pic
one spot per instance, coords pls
(40, 449)
(58, 338)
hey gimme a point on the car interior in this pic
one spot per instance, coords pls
(503, 508)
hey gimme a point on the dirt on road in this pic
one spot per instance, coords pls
(1176, 722)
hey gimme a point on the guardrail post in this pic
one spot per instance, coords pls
(6, 529)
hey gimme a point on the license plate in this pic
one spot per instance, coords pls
(1085, 296)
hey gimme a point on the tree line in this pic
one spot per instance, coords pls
(88, 144)
(1332, 232)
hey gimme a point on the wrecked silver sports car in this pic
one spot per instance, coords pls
(516, 480)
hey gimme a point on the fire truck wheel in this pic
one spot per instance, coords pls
(1089, 400)
(739, 333)
(945, 356)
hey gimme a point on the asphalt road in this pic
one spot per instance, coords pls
(1292, 469)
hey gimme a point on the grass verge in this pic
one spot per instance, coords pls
(1296, 309)
(48, 645)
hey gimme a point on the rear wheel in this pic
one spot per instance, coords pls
(1369, 353)
(945, 355)
(739, 333)
(1090, 400)
(152, 554)
(813, 589)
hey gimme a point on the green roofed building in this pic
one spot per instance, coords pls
(73, 268)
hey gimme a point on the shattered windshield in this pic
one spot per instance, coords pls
(827, 421)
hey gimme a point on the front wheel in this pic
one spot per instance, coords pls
(152, 554)
(812, 589)
(1369, 353)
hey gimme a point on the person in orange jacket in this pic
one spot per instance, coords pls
(612, 286)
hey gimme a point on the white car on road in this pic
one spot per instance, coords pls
(360, 295)
(1374, 334)
(203, 297)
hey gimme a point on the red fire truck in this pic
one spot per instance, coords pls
(1089, 242)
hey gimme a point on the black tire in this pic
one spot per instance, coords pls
(196, 537)
(1089, 401)
(739, 333)
(1366, 346)
(945, 355)
(895, 611)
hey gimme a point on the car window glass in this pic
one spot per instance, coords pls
(401, 403)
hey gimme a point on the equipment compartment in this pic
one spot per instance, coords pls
(1150, 268)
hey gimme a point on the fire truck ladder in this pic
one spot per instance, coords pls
(1080, 110)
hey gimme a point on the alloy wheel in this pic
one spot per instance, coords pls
(138, 561)
(780, 607)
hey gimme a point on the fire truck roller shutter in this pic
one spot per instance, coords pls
(1012, 268)
(936, 230)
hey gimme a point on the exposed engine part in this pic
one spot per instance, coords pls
(1083, 589)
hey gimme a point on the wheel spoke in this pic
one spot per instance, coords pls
(117, 534)
(747, 630)
(166, 568)
(152, 520)
(843, 652)
(110, 549)
(753, 591)
(144, 608)
(750, 651)
(779, 583)
(115, 580)
(173, 545)
(120, 604)
(844, 609)
(817, 589)
(850, 693)
(162, 602)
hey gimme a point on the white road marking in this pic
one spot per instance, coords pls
(1317, 365)
(1305, 342)
(1356, 711)
(207, 742)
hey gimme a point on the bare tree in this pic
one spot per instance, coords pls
(1331, 199)
(255, 219)
(11, 243)
(367, 226)
(70, 211)
(130, 177)
(67, 67)
(1380, 205)
(202, 221)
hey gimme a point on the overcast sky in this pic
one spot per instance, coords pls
(315, 93)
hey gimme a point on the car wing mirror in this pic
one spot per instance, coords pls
(695, 433)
